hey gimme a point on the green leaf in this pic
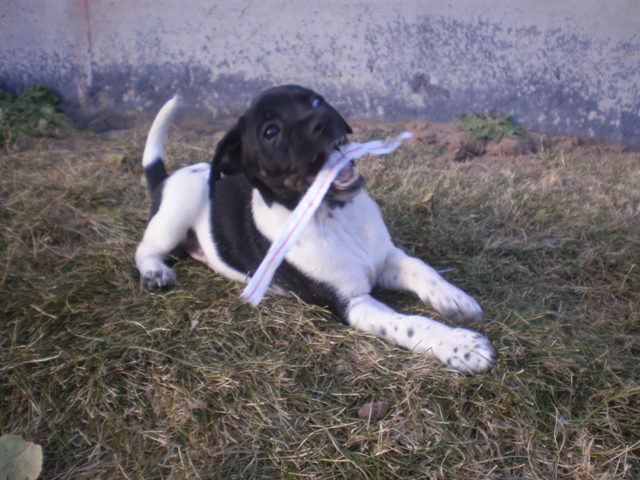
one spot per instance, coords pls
(19, 460)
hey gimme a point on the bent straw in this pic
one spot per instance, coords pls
(310, 202)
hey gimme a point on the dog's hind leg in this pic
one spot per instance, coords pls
(150, 255)
(402, 272)
(459, 348)
(184, 202)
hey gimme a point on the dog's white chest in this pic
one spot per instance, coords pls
(344, 247)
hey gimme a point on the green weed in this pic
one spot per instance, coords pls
(35, 113)
(483, 127)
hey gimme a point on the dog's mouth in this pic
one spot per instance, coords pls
(348, 178)
(348, 181)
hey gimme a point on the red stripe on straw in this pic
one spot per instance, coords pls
(284, 243)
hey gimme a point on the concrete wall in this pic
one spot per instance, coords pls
(570, 66)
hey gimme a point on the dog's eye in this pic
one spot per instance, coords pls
(270, 132)
(317, 102)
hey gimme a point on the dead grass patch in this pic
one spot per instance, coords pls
(116, 382)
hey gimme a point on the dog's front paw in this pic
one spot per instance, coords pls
(159, 278)
(466, 351)
(454, 304)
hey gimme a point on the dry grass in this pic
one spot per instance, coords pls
(115, 382)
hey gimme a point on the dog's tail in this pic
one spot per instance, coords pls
(153, 157)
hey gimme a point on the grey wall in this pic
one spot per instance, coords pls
(569, 66)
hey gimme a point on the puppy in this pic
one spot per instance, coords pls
(227, 213)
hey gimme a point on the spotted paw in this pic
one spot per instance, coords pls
(466, 351)
(159, 278)
(454, 304)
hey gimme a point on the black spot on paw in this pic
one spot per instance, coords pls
(383, 331)
(467, 356)
(410, 332)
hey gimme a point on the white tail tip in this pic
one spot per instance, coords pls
(154, 148)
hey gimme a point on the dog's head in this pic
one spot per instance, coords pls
(282, 141)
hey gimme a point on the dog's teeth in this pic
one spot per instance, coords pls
(339, 142)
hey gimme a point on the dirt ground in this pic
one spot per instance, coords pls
(450, 144)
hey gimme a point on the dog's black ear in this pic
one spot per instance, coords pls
(228, 154)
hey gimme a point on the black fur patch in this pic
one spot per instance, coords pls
(156, 199)
(155, 174)
(241, 245)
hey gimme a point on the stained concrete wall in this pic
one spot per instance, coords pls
(570, 66)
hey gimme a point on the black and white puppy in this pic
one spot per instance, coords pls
(227, 213)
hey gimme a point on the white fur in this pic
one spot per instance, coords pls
(154, 148)
(185, 206)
